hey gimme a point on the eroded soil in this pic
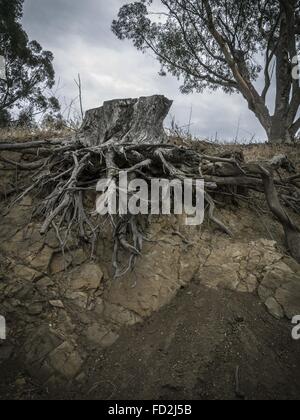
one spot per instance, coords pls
(189, 350)
(206, 318)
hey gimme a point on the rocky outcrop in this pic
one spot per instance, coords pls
(256, 267)
(59, 308)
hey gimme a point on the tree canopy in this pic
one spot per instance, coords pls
(226, 44)
(28, 75)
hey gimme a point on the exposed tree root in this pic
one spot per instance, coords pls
(64, 171)
(292, 232)
(63, 178)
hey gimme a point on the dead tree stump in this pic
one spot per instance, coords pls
(137, 121)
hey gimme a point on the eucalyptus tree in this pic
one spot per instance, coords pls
(27, 74)
(227, 44)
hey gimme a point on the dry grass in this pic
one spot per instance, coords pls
(23, 134)
(252, 152)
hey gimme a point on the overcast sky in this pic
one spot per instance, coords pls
(78, 33)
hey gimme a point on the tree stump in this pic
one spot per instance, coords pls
(137, 121)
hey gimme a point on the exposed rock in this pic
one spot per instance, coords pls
(61, 262)
(78, 298)
(156, 278)
(225, 276)
(35, 308)
(98, 307)
(248, 284)
(273, 279)
(274, 308)
(288, 296)
(92, 311)
(41, 260)
(86, 277)
(264, 293)
(50, 358)
(100, 335)
(65, 360)
(120, 315)
(64, 323)
(45, 282)
(56, 304)
(109, 339)
(26, 273)
(281, 285)
(39, 344)
(51, 240)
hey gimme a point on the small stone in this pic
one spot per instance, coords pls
(57, 304)
(41, 260)
(35, 309)
(289, 296)
(274, 308)
(252, 283)
(267, 243)
(119, 315)
(66, 361)
(284, 268)
(265, 293)
(220, 276)
(109, 339)
(45, 282)
(65, 323)
(51, 239)
(79, 257)
(26, 273)
(59, 263)
(40, 342)
(79, 298)
(99, 306)
(87, 277)
(100, 335)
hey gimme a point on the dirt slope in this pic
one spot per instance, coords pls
(190, 350)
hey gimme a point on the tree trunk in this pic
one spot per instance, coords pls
(138, 121)
(280, 132)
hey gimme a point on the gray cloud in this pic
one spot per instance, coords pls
(78, 33)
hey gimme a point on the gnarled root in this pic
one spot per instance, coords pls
(66, 172)
(292, 232)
